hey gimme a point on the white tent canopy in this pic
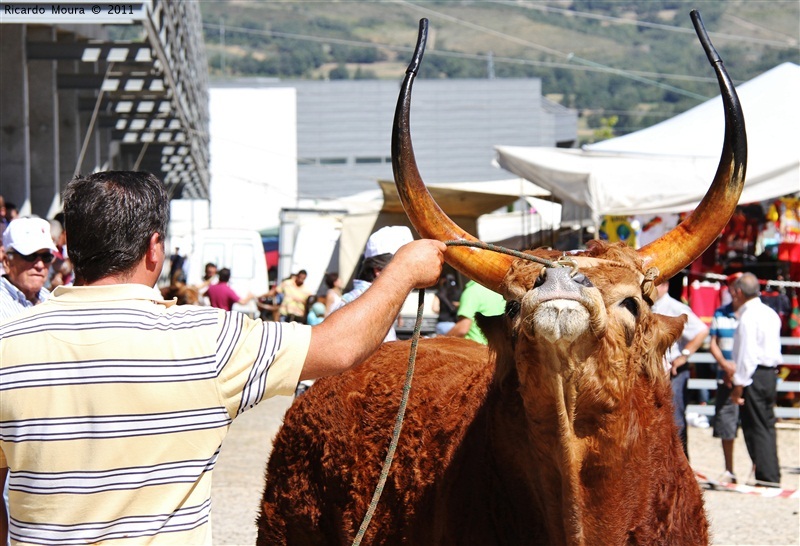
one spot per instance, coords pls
(668, 167)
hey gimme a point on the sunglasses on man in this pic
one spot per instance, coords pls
(46, 257)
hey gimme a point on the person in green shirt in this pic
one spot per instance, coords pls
(476, 299)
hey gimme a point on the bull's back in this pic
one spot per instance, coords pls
(328, 455)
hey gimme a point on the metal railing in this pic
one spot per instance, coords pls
(782, 412)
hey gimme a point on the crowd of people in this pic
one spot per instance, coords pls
(154, 386)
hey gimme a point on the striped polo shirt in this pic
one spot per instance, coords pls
(723, 327)
(113, 406)
(13, 301)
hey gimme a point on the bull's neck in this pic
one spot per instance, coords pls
(549, 397)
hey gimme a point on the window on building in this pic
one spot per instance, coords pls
(368, 160)
(333, 161)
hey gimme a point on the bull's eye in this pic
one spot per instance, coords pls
(631, 305)
(541, 278)
(512, 308)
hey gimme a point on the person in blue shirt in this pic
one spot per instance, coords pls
(726, 414)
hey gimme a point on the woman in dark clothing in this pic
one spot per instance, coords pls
(448, 295)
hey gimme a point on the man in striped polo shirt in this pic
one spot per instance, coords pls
(114, 402)
(726, 413)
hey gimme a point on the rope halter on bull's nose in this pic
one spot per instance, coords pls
(649, 291)
(648, 283)
(503, 250)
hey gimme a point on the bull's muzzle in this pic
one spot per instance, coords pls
(561, 283)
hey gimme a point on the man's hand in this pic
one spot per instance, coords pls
(737, 395)
(729, 367)
(421, 261)
(677, 363)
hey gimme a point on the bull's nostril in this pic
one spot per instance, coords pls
(582, 279)
(541, 278)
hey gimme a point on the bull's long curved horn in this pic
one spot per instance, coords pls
(486, 267)
(681, 246)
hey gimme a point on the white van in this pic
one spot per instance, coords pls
(408, 315)
(239, 250)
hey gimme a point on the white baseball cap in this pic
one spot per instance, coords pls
(387, 240)
(28, 235)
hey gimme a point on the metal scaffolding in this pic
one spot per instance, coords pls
(139, 102)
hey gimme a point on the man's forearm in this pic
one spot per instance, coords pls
(697, 341)
(460, 328)
(348, 336)
(716, 352)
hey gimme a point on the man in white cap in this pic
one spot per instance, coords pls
(381, 246)
(29, 250)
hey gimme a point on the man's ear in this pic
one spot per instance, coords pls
(154, 249)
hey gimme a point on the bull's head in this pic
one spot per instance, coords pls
(600, 294)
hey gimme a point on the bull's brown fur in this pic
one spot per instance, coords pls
(183, 293)
(526, 443)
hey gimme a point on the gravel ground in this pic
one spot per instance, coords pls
(736, 518)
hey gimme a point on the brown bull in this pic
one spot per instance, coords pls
(561, 432)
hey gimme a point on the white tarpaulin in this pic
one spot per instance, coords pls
(668, 167)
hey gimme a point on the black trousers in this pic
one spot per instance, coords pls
(758, 424)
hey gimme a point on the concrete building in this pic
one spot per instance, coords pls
(120, 86)
(344, 129)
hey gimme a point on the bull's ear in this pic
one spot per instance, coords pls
(501, 343)
(666, 331)
(493, 328)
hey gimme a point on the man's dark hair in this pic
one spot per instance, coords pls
(302, 272)
(224, 274)
(372, 263)
(331, 278)
(110, 217)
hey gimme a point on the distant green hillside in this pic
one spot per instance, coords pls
(621, 63)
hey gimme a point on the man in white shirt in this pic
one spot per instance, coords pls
(757, 354)
(694, 333)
